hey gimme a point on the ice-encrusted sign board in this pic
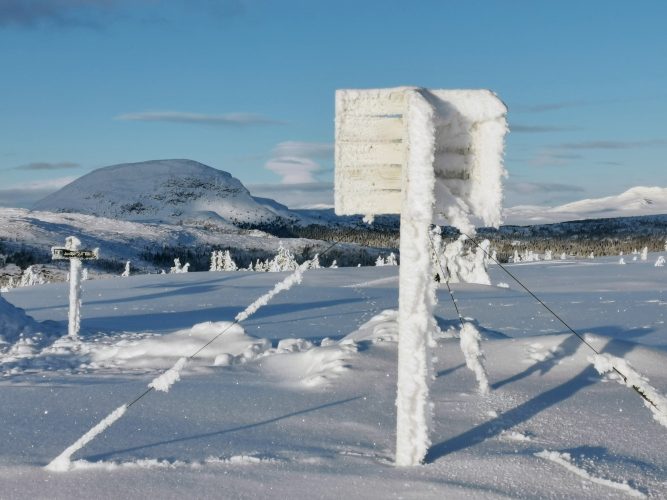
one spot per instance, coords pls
(433, 156)
(373, 148)
(370, 151)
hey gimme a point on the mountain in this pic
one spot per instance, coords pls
(636, 201)
(169, 191)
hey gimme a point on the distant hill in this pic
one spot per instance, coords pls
(168, 191)
(637, 201)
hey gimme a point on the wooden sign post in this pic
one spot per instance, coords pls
(421, 154)
(72, 251)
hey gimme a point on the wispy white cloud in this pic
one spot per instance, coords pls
(537, 129)
(298, 162)
(304, 149)
(26, 194)
(43, 165)
(99, 13)
(611, 144)
(548, 106)
(293, 170)
(542, 187)
(308, 195)
(554, 158)
(230, 119)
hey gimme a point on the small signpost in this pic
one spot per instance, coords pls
(72, 251)
(424, 154)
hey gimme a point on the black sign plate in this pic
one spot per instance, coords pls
(59, 253)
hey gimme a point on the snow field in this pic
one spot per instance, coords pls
(339, 435)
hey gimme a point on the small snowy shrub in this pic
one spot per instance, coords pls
(178, 268)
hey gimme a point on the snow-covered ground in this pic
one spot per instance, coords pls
(298, 400)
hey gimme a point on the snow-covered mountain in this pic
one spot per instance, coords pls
(636, 201)
(170, 191)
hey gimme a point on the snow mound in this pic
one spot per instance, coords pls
(313, 367)
(163, 351)
(14, 323)
(382, 327)
(162, 190)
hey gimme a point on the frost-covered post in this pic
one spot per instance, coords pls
(416, 296)
(428, 155)
(73, 252)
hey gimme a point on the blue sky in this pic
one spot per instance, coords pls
(242, 85)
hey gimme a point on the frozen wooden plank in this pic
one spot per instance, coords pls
(371, 102)
(370, 129)
(351, 154)
(368, 202)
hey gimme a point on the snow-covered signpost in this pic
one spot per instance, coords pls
(73, 252)
(432, 156)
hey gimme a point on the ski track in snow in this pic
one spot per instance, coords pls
(565, 461)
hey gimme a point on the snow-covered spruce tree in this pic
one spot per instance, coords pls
(31, 277)
(334, 265)
(548, 255)
(126, 272)
(213, 267)
(219, 261)
(591, 256)
(644, 254)
(260, 266)
(563, 256)
(11, 283)
(391, 260)
(228, 263)
(379, 262)
(466, 266)
(315, 264)
(621, 261)
(479, 271)
(283, 261)
(660, 262)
